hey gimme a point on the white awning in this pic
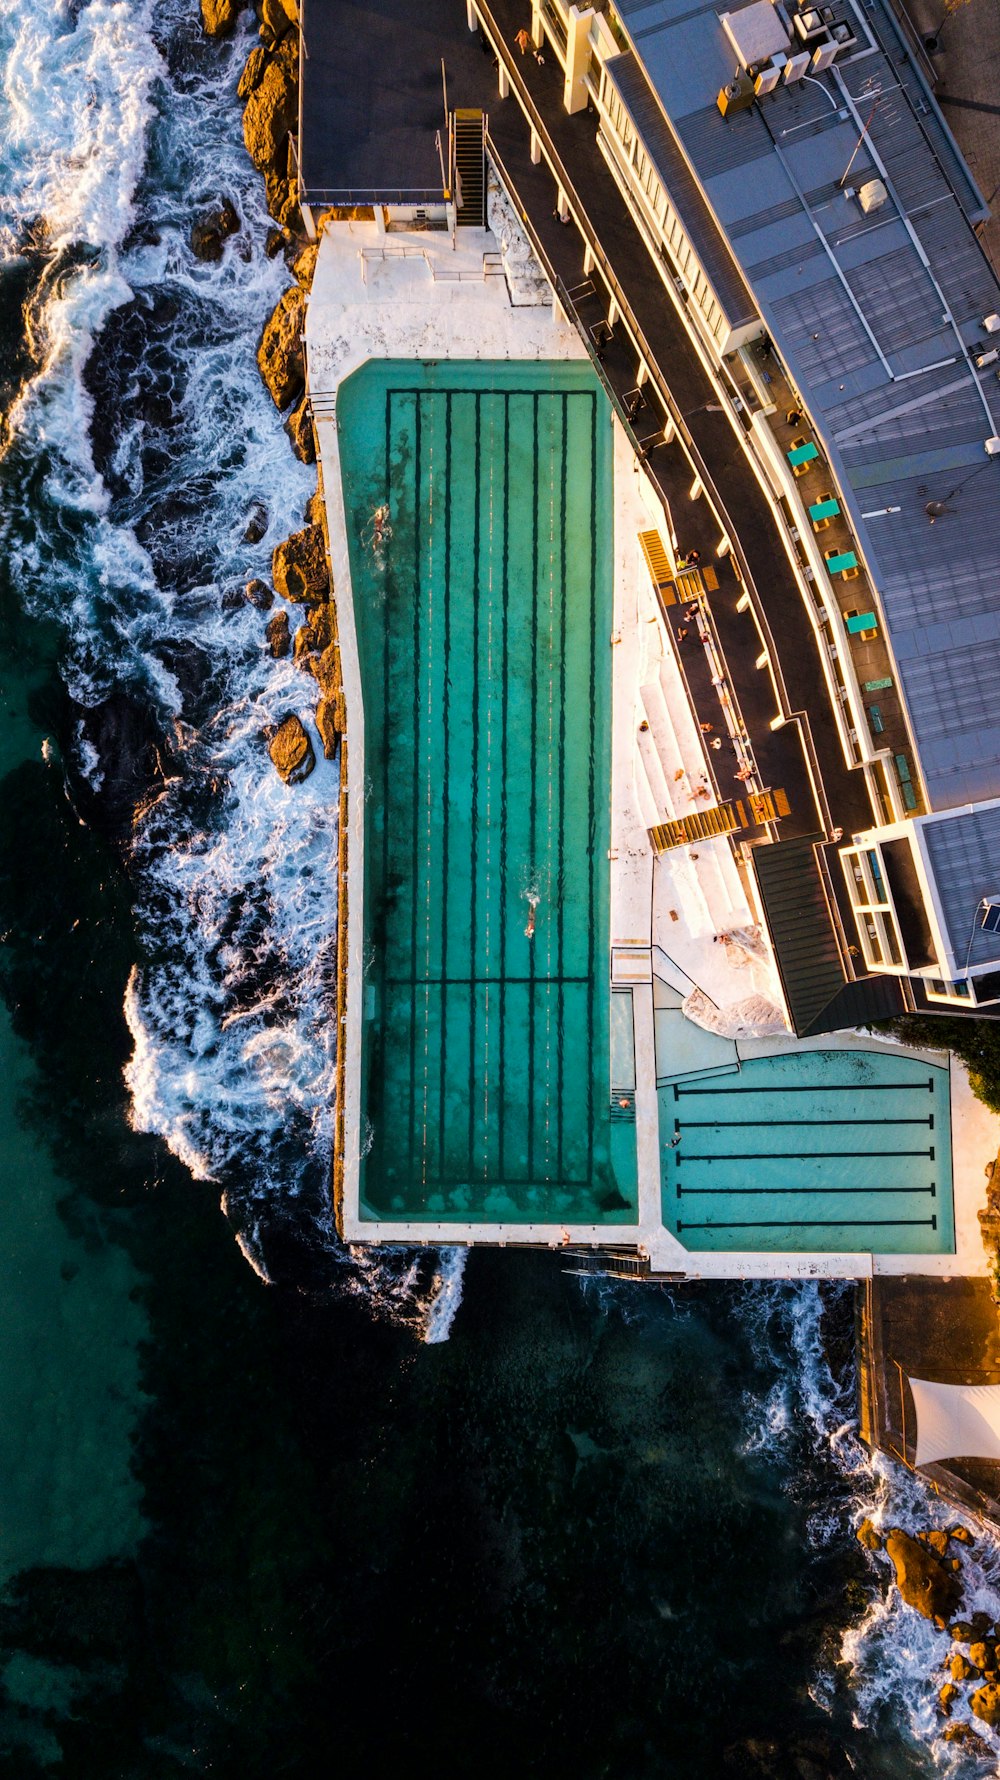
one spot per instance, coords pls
(956, 1421)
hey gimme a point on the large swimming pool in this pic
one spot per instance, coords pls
(484, 614)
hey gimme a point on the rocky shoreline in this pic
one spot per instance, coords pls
(300, 574)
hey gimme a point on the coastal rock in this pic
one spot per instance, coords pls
(326, 668)
(922, 1579)
(253, 72)
(210, 233)
(315, 512)
(259, 594)
(963, 1632)
(274, 241)
(279, 355)
(274, 21)
(868, 1536)
(278, 634)
(282, 202)
(291, 751)
(985, 1703)
(120, 745)
(304, 265)
(962, 1734)
(316, 634)
(961, 1669)
(270, 113)
(299, 569)
(984, 1656)
(946, 1694)
(937, 1540)
(218, 17)
(326, 723)
(981, 1623)
(256, 525)
(299, 428)
(961, 1535)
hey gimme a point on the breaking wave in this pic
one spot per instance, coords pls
(144, 441)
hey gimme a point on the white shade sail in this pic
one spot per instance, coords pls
(956, 1421)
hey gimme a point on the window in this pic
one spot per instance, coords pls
(877, 879)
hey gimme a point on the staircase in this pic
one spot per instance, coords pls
(469, 129)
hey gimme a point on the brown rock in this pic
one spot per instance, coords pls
(965, 1737)
(945, 1696)
(937, 1540)
(981, 1623)
(961, 1535)
(253, 72)
(315, 509)
(983, 1655)
(304, 264)
(963, 1632)
(291, 10)
(259, 594)
(210, 232)
(317, 633)
(274, 242)
(299, 428)
(299, 569)
(278, 634)
(960, 1669)
(256, 525)
(867, 1536)
(923, 1581)
(326, 667)
(985, 1703)
(218, 17)
(291, 751)
(274, 21)
(279, 355)
(326, 723)
(270, 113)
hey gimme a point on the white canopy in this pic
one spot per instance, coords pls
(956, 1421)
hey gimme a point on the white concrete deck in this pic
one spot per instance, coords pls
(412, 296)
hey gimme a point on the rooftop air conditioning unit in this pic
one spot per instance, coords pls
(992, 324)
(872, 195)
(767, 79)
(737, 96)
(990, 906)
(987, 358)
(993, 446)
(797, 65)
(824, 57)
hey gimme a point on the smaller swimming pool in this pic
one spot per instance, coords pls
(835, 1151)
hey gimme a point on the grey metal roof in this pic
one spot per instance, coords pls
(862, 316)
(964, 852)
(687, 200)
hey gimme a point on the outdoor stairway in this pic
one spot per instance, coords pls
(687, 584)
(470, 168)
(701, 825)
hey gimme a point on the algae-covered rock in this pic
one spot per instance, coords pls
(299, 568)
(923, 1581)
(326, 723)
(218, 17)
(253, 72)
(291, 751)
(278, 634)
(868, 1536)
(299, 428)
(270, 113)
(279, 356)
(985, 1703)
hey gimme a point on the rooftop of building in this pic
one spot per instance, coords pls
(878, 318)
(964, 853)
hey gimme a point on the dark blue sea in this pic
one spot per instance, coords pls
(268, 1507)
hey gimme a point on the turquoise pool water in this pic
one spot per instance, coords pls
(484, 625)
(828, 1150)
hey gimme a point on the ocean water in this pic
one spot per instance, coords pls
(265, 1506)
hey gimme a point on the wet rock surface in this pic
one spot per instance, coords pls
(279, 357)
(278, 635)
(291, 751)
(299, 567)
(118, 765)
(922, 1578)
(211, 232)
(218, 17)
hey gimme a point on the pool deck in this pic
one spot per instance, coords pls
(378, 297)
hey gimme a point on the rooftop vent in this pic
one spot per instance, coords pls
(992, 324)
(756, 33)
(993, 446)
(872, 195)
(737, 96)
